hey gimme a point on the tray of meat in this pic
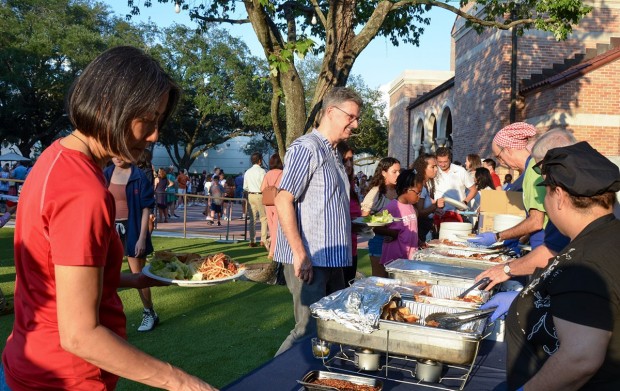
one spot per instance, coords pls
(331, 381)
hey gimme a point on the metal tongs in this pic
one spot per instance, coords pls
(454, 321)
(479, 284)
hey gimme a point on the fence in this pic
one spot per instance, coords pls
(193, 219)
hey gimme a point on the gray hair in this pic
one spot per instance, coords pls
(339, 95)
(554, 138)
(334, 97)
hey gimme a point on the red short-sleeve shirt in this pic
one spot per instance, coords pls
(66, 217)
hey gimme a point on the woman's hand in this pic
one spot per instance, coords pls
(440, 203)
(140, 247)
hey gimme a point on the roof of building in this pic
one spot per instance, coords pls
(575, 71)
(432, 93)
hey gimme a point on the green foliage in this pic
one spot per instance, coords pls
(43, 46)
(371, 135)
(221, 99)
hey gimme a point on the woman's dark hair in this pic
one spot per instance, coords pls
(343, 147)
(144, 161)
(377, 178)
(420, 165)
(256, 157)
(605, 200)
(120, 85)
(407, 179)
(275, 162)
(483, 178)
(508, 178)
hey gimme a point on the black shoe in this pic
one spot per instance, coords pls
(218, 223)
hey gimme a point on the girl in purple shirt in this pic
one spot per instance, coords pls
(401, 236)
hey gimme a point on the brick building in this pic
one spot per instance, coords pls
(572, 84)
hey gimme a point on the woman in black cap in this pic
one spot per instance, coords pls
(563, 329)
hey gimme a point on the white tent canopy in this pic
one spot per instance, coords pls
(13, 157)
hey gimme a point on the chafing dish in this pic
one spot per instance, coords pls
(413, 339)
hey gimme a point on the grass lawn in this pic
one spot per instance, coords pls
(217, 333)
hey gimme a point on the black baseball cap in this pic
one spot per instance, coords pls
(579, 169)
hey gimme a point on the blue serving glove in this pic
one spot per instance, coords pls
(502, 301)
(484, 239)
(513, 245)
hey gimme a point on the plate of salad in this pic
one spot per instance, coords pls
(377, 220)
(210, 270)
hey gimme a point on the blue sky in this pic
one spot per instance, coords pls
(379, 64)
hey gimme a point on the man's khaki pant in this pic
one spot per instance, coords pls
(257, 209)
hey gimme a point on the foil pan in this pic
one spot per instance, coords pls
(424, 272)
(314, 375)
(447, 296)
(357, 307)
(460, 258)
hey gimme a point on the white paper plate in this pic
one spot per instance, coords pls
(457, 204)
(192, 284)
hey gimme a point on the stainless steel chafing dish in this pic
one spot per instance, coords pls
(413, 340)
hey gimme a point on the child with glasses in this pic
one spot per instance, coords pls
(401, 236)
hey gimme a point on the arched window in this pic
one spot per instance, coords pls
(419, 131)
(446, 126)
(433, 124)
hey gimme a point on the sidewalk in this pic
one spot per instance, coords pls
(197, 226)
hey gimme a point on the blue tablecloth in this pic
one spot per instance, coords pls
(283, 371)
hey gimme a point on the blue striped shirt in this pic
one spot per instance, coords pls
(315, 176)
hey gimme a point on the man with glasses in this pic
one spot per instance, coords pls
(314, 233)
(511, 147)
(554, 241)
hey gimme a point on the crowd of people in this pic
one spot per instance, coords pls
(70, 241)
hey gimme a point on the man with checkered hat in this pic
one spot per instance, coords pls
(512, 147)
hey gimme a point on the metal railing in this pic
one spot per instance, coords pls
(207, 199)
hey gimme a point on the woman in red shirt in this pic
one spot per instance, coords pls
(69, 329)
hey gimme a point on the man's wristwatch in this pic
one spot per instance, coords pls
(507, 269)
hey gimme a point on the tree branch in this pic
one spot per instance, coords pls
(465, 15)
(195, 15)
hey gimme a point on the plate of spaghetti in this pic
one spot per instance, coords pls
(211, 270)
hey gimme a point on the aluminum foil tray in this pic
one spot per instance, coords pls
(454, 258)
(313, 375)
(432, 273)
(413, 339)
(446, 296)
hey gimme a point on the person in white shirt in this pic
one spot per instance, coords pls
(453, 181)
(252, 181)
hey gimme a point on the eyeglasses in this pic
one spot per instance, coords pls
(351, 116)
(413, 190)
(499, 153)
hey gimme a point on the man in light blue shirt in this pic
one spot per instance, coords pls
(314, 233)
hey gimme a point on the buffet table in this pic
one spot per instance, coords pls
(283, 371)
